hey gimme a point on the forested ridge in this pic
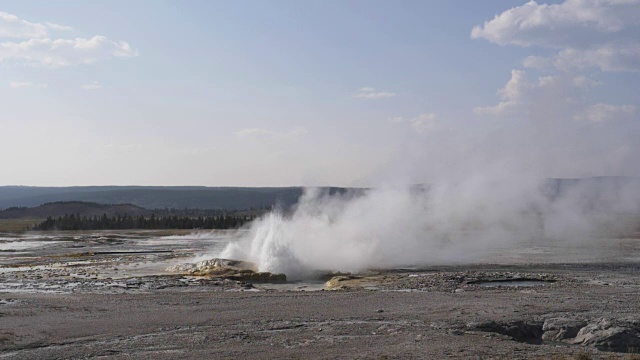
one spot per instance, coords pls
(125, 222)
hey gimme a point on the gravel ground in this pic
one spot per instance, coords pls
(405, 322)
(573, 310)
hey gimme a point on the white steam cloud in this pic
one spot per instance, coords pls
(488, 185)
(449, 223)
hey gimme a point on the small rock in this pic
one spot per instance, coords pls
(610, 335)
(558, 329)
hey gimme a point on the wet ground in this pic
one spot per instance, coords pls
(108, 294)
(102, 261)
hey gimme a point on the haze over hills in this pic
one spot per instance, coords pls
(152, 197)
(63, 208)
(595, 186)
(240, 198)
(157, 197)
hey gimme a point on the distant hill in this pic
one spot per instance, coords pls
(593, 187)
(152, 197)
(58, 209)
(157, 197)
(243, 198)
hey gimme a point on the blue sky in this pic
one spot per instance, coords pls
(257, 93)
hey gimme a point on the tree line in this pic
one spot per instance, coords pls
(126, 222)
(196, 212)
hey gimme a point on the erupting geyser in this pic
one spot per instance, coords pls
(435, 225)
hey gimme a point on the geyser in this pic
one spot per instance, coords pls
(450, 223)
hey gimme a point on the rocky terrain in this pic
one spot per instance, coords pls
(120, 298)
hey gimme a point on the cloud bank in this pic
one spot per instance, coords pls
(40, 48)
(590, 33)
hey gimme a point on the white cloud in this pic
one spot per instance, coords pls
(553, 98)
(557, 94)
(258, 133)
(571, 23)
(13, 27)
(599, 113)
(589, 33)
(23, 84)
(376, 95)
(58, 27)
(585, 82)
(537, 62)
(94, 85)
(607, 57)
(372, 93)
(64, 52)
(424, 123)
(255, 132)
(513, 95)
(520, 96)
(40, 49)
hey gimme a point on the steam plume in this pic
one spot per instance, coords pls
(450, 223)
